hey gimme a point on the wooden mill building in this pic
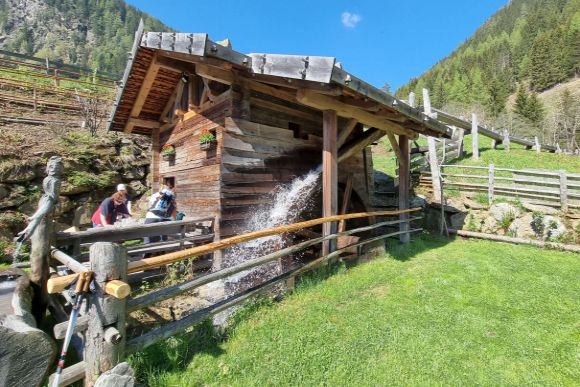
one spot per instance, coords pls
(274, 117)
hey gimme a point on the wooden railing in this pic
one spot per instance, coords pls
(553, 188)
(112, 270)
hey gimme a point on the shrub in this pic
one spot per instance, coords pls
(506, 220)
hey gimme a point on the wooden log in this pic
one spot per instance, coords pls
(518, 241)
(474, 137)
(329, 175)
(117, 289)
(71, 374)
(109, 262)
(68, 261)
(404, 182)
(162, 260)
(81, 326)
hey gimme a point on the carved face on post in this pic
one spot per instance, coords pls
(54, 167)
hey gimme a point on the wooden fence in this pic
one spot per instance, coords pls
(552, 188)
(104, 326)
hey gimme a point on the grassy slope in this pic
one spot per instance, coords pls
(433, 315)
(518, 157)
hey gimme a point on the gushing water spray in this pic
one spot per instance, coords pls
(289, 201)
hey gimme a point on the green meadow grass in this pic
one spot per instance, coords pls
(437, 312)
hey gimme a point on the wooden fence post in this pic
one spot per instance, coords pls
(491, 183)
(105, 337)
(412, 99)
(538, 145)
(434, 167)
(506, 141)
(474, 137)
(563, 191)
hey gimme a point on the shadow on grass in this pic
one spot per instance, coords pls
(419, 244)
(175, 353)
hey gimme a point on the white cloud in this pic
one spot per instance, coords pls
(350, 20)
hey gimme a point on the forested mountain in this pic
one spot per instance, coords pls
(89, 33)
(532, 43)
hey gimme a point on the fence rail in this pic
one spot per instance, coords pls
(553, 188)
(108, 299)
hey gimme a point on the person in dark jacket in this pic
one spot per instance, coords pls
(109, 210)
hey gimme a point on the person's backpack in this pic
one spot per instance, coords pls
(164, 204)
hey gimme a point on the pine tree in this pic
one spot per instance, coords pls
(535, 111)
(521, 105)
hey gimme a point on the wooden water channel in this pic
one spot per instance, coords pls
(104, 325)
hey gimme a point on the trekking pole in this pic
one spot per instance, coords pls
(82, 288)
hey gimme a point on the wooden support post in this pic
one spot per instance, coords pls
(345, 202)
(108, 262)
(426, 102)
(155, 156)
(558, 149)
(404, 177)
(506, 141)
(538, 145)
(474, 137)
(491, 182)
(563, 191)
(329, 176)
(34, 98)
(434, 167)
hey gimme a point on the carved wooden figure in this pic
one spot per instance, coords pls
(40, 231)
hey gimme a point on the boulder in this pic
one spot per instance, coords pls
(418, 201)
(471, 204)
(26, 353)
(554, 229)
(4, 191)
(122, 375)
(522, 227)
(137, 188)
(458, 220)
(133, 173)
(537, 208)
(17, 173)
(500, 210)
(490, 225)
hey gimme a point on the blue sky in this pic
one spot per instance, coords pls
(378, 41)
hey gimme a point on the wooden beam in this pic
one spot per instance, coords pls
(174, 65)
(395, 146)
(324, 102)
(329, 175)
(355, 146)
(170, 105)
(345, 132)
(215, 74)
(271, 90)
(404, 182)
(146, 86)
(144, 123)
(115, 288)
(345, 202)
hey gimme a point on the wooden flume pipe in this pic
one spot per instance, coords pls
(121, 289)
(161, 260)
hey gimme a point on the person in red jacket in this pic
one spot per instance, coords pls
(109, 210)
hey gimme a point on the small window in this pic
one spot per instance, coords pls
(298, 133)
